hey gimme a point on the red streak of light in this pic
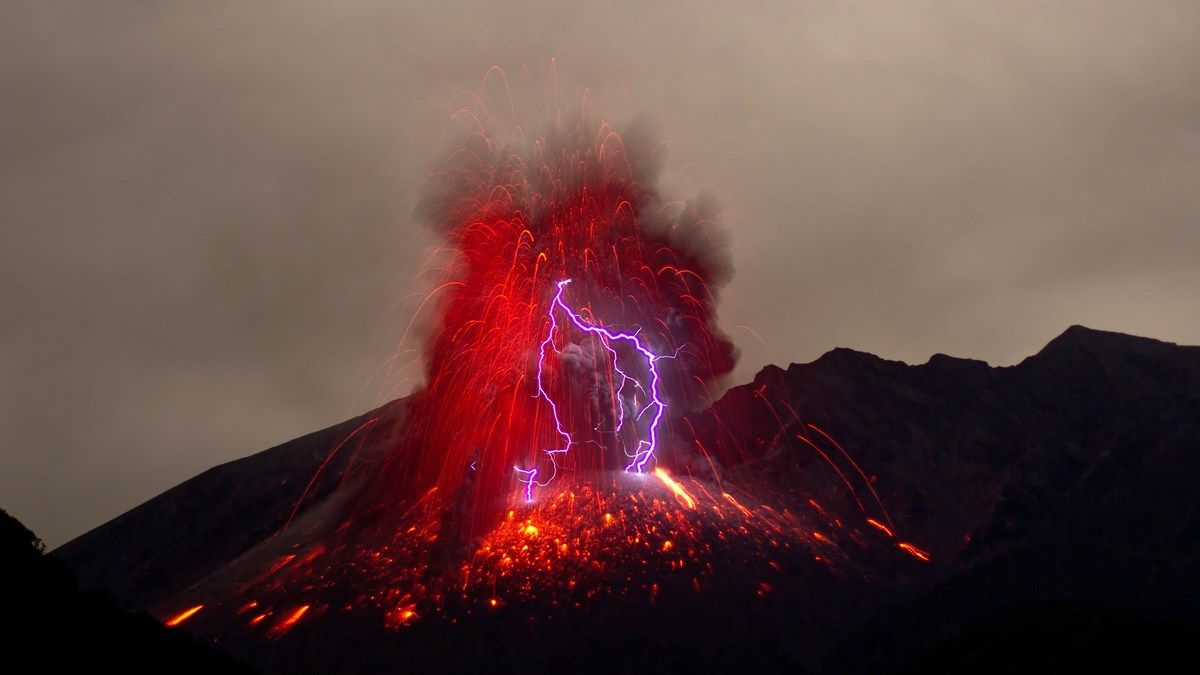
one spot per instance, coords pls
(259, 619)
(321, 468)
(675, 487)
(862, 474)
(413, 319)
(758, 337)
(288, 621)
(914, 551)
(880, 526)
(183, 616)
(732, 500)
(279, 564)
(830, 462)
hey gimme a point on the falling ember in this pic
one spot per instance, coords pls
(914, 551)
(738, 505)
(880, 526)
(676, 488)
(183, 616)
(289, 621)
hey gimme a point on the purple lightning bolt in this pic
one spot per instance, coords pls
(645, 447)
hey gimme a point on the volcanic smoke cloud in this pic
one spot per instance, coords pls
(577, 203)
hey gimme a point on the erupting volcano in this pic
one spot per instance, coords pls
(565, 457)
(512, 305)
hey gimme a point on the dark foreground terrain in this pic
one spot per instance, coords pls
(49, 624)
(1058, 502)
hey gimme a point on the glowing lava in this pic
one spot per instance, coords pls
(676, 488)
(183, 616)
(615, 536)
(289, 621)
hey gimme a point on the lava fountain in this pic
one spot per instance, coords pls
(576, 305)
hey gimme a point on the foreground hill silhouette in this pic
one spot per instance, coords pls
(51, 625)
(1059, 499)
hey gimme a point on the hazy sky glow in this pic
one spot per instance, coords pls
(207, 208)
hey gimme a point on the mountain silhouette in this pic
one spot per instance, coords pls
(51, 624)
(1057, 499)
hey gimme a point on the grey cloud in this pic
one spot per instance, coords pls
(207, 208)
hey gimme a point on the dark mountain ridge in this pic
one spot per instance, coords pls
(987, 454)
(1043, 490)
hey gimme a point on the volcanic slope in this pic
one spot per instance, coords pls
(846, 502)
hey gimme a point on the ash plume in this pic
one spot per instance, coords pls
(518, 214)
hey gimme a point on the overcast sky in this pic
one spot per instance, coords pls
(207, 207)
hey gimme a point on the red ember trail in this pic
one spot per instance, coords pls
(183, 616)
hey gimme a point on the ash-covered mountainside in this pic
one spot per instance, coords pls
(1059, 500)
(973, 459)
(177, 538)
(1060, 496)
